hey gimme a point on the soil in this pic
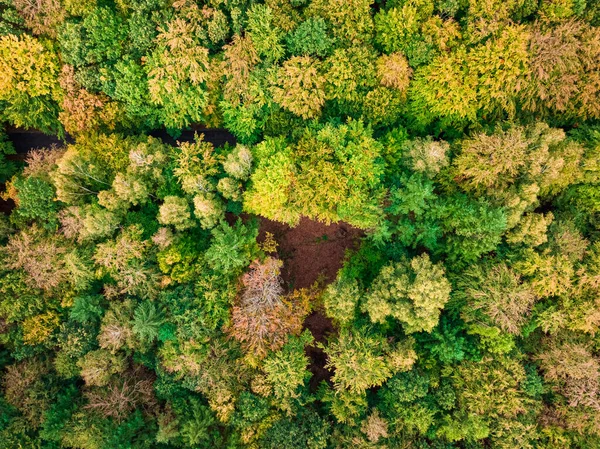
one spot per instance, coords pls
(310, 251)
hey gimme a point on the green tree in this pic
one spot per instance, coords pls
(413, 292)
(307, 430)
(337, 172)
(310, 38)
(233, 247)
(29, 90)
(35, 199)
(362, 360)
(178, 70)
(147, 320)
(265, 36)
(286, 369)
(341, 299)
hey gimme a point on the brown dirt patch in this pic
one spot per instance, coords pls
(311, 250)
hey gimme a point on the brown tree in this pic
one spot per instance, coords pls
(263, 318)
(132, 390)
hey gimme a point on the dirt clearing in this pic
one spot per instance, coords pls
(310, 250)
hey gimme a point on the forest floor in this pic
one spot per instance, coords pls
(312, 252)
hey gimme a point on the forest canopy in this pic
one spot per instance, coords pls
(399, 246)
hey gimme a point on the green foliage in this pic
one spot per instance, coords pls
(36, 200)
(307, 430)
(321, 190)
(29, 91)
(411, 292)
(286, 369)
(341, 299)
(86, 308)
(146, 321)
(440, 155)
(363, 360)
(300, 87)
(233, 247)
(265, 36)
(177, 75)
(472, 228)
(310, 38)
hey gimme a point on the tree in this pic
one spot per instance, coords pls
(500, 66)
(232, 248)
(262, 320)
(89, 166)
(490, 398)
(198, 425)
(412, 292)
(485, 78)
(116, 327)
(393, 71)
(147, 320)
(265, 36)
(34, 198)
(310, 38)
(122, 395)
(41, 258)
(24, 387)
(341, 300)
(350, 75)
(322, 163)
(362, 360)
(300, 87)
(175, 211)
(178, 70)
(471, 228)
(562, 79)
(41, 17)
(83, 110)
(126, 261)
(573, 372)
(197, 166)
(398, 29)
(99, 366)
(425, 155)
(7, 167)
(499, 294)
(307, 430)
(238, 163)
(30, 93)
(350, 21)
(209, 209)
(444, 89)
(285, 369)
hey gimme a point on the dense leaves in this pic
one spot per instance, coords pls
(148, 299)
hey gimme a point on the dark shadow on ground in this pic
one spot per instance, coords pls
(26, 140)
